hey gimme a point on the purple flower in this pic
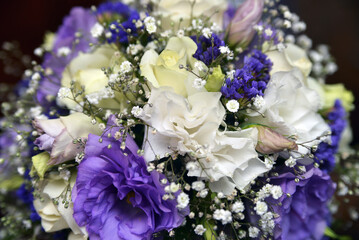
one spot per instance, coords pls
(114, 11)
(116, 197)
(207, 48)
(325, 154)
(251, 80)
(80, 21)
(303, 215)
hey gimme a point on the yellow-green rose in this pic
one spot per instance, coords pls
(164, 69)
(331, 92)
(85, 71)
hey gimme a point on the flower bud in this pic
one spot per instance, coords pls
(246, 17)
(269, 141)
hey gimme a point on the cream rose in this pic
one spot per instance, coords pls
(191, 126)
(292, 56)
(164, 69)
(174, 10)
(85, 71)
(57, 217)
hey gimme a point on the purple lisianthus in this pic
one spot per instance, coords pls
(116, 197)
(305, 213)
(73, 34)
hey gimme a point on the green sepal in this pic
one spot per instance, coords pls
(215, 80)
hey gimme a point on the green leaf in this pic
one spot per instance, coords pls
(330, 233)
(210, 234)
(39, 163)
(11, 183)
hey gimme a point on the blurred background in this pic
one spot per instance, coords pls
(331, 22)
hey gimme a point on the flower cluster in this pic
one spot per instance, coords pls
(174, 120)
(249, 81)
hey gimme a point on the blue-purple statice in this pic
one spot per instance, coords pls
(325, 155)
(126, 15)
(207, 48)
(251, 80)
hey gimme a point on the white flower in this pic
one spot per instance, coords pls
(261, 208)
(224, 50)
(237, 207)
(232, 106)
(227, 155)
(292, 109)
(199, 83)
(97, 30)
(207, 33)
(125, 67)
(113, 78)
(36, 76)
(133, 49)
(290, 162)
(258, 102)
(193, 166)
(85, 71)
(56, 217)
(150, 24)
(182, 200)
(199, 65)
(174, 10)
(173, 187)
(39, 51)
(64, 92)
(63, 51)
(276, 192)
(203, 193)
(253, 232)
(137, 111)
(292, 56)
(198, 185)
(164, 69)
(199, 230)
(222, 215)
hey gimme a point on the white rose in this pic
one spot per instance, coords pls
(174, 10)
(292, 56)
(57, 217)
(291, 108)
(164, 69)
(191, 126)
(86, 71)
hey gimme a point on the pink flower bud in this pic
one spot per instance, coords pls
(269, 141)
(58, 136)
(246, 17)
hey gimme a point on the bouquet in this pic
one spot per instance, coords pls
(176, 119)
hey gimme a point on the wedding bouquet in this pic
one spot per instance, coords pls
(176, 119)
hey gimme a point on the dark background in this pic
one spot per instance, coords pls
(332, 22)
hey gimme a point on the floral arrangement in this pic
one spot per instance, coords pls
(176, 119)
